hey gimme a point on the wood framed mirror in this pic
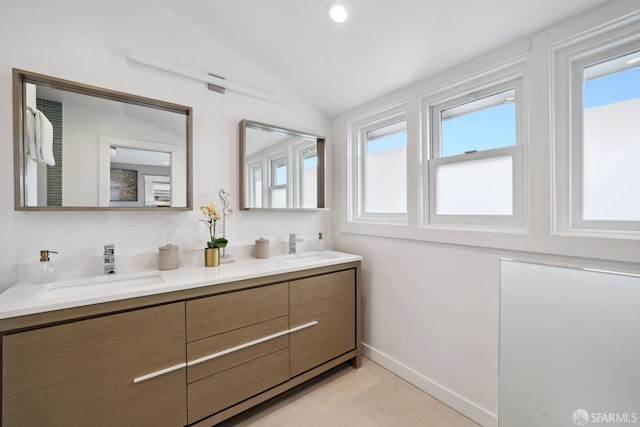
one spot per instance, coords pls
(81, 147)
(280, 168)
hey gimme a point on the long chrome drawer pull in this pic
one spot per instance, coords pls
(250, 343)
(158, 373)
(238, 347)
(305, 326)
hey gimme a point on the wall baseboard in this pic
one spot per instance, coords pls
(450, 398)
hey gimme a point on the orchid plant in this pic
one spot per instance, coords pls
(211, 212)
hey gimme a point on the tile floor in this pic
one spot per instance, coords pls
(344, 397)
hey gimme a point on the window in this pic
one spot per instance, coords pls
(379, 168)
(611, 140)
(475, 163)
(308, 176)
(385, 165)
(278, 183)
(597, 172)
(255, 189)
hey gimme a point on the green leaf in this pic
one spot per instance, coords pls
(220, 242)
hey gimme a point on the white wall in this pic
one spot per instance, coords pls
(431, 296)
(85, 42)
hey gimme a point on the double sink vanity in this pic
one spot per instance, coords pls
(192, 346)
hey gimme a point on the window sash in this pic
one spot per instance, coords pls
(376, 129)
(435, 111)
(256, 191)
(516, 218)
(271, 163)
(302, 152)
(575, 162)
(430, 217)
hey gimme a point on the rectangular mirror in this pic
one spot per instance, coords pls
(280, 168)
(80, 147)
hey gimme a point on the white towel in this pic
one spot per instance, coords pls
(44, 139)
(30, 134)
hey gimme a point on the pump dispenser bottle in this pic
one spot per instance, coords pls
(46, 270)
(321, 243)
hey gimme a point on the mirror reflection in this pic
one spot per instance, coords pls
(131, 169)
(85, 147)
(280, 168)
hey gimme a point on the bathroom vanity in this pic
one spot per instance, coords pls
(195, 349)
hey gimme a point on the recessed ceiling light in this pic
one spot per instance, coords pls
(633, 61)
(338, 13)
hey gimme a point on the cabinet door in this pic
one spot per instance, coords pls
(328, 299)
(82, 373)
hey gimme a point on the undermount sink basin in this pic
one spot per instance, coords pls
(99, 285)
(304, 258)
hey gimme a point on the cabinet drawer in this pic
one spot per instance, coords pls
(220, 391)
(222, 313)
(220, 343)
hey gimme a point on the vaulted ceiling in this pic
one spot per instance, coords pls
(384, 45)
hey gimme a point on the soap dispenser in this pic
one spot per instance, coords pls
(46, 268)
(321, 243)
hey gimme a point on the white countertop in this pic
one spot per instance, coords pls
(23, 299)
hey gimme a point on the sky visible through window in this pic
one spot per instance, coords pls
(495, 127)
(281, 172)
(479, 130)
(612, 88)
(386, 142)
(310, 162)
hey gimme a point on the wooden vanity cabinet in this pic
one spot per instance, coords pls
(194, 357)
(82, 373)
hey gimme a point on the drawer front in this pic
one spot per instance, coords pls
(220, 391)
(232, 340)
(222, 313)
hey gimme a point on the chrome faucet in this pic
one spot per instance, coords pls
(293, 243)
(109, 258)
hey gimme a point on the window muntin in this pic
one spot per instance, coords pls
(385, 169)
(611, 140)
(475, 171)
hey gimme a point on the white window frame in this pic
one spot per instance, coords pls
(271, 177)
(299, 151)
(569, 61)
(503, 78)
(357, 140)
(252, 189)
